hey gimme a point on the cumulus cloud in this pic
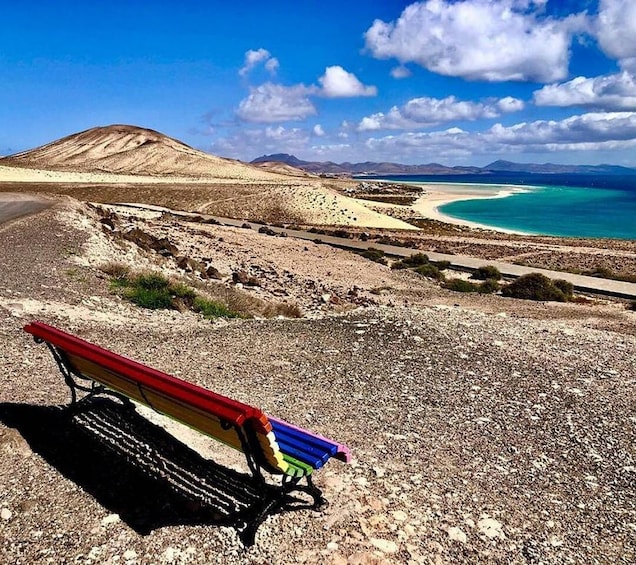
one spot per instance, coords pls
(596, 131)
(338, 83)
(479, 39)
(400, 72)
(427, 112)
(255, 57)
(616, 30)
(609, 92)
(269, 103)
(318, 131)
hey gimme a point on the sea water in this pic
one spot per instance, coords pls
(598, 207)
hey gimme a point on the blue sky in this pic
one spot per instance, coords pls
(452, 81)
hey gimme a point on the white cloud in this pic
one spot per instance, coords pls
(400, 72)
(254, 57)
(318, 131)
(426, 112)
(479, 39)
(611, 131)
(269, 103)
(616, 31)
(610, 92)
(338, 83)
(249, 143)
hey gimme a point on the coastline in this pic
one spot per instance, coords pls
(429, 204)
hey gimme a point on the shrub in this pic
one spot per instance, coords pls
(118, 271)
(487, 272)
(374, 254)
(566, 287)
(151, 281)
(413, 261)
(441, 265)
(152, 298)
(460, 285)
(632, 305)
(212, 309)
(430, 271)
(488, 286)
(534, 286)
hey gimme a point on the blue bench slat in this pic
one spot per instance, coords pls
(300, 454)
(305, 439)
(322, 454)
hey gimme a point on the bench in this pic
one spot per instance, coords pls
(269, 444)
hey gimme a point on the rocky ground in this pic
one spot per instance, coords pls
(483, 429)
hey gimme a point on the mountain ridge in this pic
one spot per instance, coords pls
(387, 168)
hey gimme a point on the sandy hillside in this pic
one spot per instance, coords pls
(131, 150)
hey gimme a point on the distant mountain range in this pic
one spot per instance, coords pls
(385, 168)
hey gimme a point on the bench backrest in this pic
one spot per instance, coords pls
(218, 416)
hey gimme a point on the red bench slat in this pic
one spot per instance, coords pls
(225, 408)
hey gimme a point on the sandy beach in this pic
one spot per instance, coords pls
(437, 195)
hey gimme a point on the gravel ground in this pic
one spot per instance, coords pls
(492, 431)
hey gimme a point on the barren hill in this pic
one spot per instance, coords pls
(132, 150)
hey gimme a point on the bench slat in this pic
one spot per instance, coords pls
(311, 449)
(227, 409)
(342, 451)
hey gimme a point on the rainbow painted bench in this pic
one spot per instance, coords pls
(269, 444)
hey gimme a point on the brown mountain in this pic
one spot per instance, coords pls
(132, 150)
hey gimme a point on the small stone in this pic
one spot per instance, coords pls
(379, 472)
(6, 514)
(400, 515)
(457, 534)
(385, 545)
(491, 528)
(332, 546)
(130, 554)
(110, 519)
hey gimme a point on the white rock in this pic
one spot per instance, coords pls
(110, 519)
(385, 545)
(130, 554)
(6, 514)
(457, 534)
(491, 528)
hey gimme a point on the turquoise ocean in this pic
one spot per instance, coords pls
(570, 205)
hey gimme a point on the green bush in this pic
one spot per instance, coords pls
(374, 254)
(534, 286)
(441, 265)
(430, 271)
(460, 285)
(413, 261)
(567, 288)
(487, 272)
(151, 281)
(212, 309)
(152, 298)
(488, 286)
(183, 291)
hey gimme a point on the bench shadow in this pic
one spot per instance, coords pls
(135, 468)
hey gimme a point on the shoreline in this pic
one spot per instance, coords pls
(431, 201)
